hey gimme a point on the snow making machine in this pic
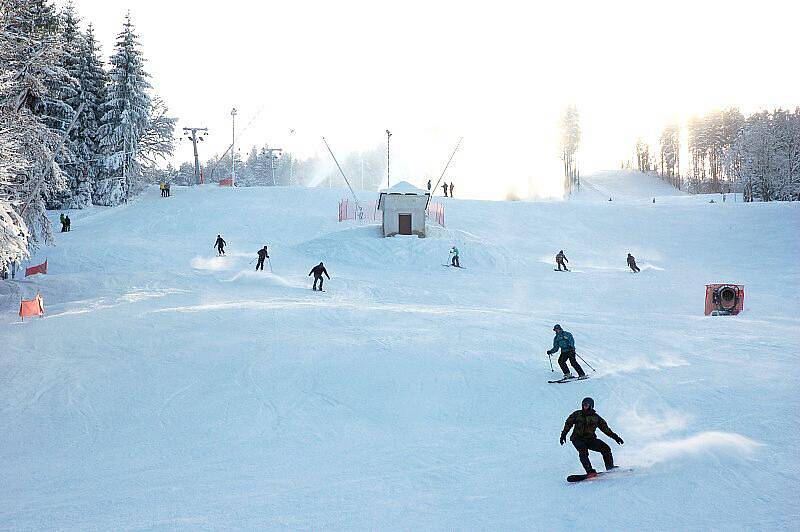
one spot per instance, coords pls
(724, 299)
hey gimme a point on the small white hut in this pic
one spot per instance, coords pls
(403, 207)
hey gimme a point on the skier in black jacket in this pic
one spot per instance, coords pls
(561, 259)
(632, 263)
(318, 270)
(220, 245)
(262, 254)
(586, 421)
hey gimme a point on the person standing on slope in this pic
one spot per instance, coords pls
(454, 260)
(220, 245)
(429, 185)
(318, 270)
(632, 263)
(63, 223)
(451, 189)
(564, 341)
(68, 222)
(585, 421)
(561, 259)
(262, 254)
(444, 187)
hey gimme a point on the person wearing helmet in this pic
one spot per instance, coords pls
(561, 259)
(220, 245)
(632, 263)
(318, 270)
(262, 254)
(454, 260)
(564, 341)
(583, 423)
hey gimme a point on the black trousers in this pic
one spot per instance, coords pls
(220, 250)
(317, 278)
(260, 264)
(455, 262)
(562, 362)
(584, 445)
(560, 264)
(634, 267)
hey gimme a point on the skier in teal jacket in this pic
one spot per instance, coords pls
(564, 341)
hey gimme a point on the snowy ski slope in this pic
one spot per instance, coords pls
(168, 389)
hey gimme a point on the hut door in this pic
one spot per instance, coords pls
(404, 222)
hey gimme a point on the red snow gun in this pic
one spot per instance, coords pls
(724, 299)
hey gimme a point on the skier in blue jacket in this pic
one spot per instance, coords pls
(564, 341)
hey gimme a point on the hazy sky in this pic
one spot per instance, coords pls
(499, 74)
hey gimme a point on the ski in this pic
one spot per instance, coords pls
(559, 381)
(451, 266)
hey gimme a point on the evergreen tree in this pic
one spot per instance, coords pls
(124, 120)
(29, 59)
(92, 79)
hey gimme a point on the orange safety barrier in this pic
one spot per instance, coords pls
(226, 182)
(31, 307)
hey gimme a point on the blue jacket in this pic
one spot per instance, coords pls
(563, 340)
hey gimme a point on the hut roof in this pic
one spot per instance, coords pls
(403, 188)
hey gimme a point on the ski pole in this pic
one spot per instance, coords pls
(550, 358)
(270, 265)
(584, 361)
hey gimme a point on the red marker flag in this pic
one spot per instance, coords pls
(33, 270)
(31, 307)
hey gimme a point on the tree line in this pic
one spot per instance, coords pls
(756, 155)
(51, 159)
(365, 169)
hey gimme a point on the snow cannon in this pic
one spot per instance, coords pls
(724, 299)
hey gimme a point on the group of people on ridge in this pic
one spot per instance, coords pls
(561, 260)
(445, 188)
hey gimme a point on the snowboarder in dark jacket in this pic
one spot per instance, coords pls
(318, 270)
(262, 254)
(564, 341)
(561, 259)
(632, 263)
(220, 245)
(585, 421)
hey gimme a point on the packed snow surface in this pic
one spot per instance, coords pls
(168, 388)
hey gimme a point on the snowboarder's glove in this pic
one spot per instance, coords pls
(618, 440)
(563, 439)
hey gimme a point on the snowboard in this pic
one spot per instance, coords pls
(561, 380)
(581, 478)
(557, 270)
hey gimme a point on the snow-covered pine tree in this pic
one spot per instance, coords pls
(92, 79)
(29, 57)
(61, 88)
(81, 143)
(124, 120)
